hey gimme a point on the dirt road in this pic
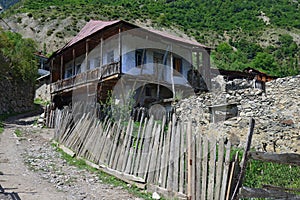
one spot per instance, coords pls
(31, 169)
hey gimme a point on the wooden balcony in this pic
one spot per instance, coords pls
(97, 74)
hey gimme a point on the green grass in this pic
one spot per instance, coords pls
(261, 173)
(41, 102)
(3, 117)
(1, 127)
(104, 177)
(18, 133)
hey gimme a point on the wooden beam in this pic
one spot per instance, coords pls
(205, 71)
(101, 52)
(87, 53)
(189, 160)
(284, 158)
(198, 61)
(165, 192)
(244, 159)
(67, 150)
(61, 66)
(266, 193)
(74, 57)
(172, 72)
(120, 46)
(51, 71)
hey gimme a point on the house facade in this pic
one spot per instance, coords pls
(122, 58)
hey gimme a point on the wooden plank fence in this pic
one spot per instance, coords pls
(270, 191)
(166, 157)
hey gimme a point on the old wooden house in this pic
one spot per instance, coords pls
(155, 65)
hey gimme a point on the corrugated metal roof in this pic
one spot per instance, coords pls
(178, 39)
(94, 26)
(90, 28)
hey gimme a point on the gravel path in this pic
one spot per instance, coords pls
(31, 169)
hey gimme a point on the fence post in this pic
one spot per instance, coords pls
(244, 160)
(189, 163)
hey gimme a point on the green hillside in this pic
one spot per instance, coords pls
(261, 34)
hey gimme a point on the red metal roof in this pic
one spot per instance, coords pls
(91, 27)
(94, 26)
(178, 39)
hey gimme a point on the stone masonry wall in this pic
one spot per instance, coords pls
(277, 114)
(15, 97)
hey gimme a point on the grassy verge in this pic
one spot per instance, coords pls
(105, 178)
(1, 127)
(2, 118)
(18, 133)
(41, 102)
(259, 173)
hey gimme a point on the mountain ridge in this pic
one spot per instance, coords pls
(237, 31)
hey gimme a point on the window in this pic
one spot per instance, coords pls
(140, 57)
(148, 91)
(110, 56)
(68, 73)
(177, 65)
(78, 69)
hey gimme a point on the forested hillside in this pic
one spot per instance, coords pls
(262, 34)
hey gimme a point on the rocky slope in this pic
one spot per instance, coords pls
(277, 114)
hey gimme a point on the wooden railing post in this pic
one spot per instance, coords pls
(244, 160)
(189, 163)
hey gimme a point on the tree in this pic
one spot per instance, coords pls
(19, 54)
(266, 63)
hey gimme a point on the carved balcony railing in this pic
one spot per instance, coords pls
(87, 77)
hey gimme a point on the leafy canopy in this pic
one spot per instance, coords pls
(18, 55)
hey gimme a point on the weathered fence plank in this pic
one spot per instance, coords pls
(219, 168)
(267, 193)
(225, 172)
(284, 158)
(189, 160)
(204, 167)
(244, 159)
(177, 162)
(212, 165)
(165, 157)
(198, 166)
(182, 159)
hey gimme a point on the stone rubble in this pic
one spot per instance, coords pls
(276, 112)
(44, 159)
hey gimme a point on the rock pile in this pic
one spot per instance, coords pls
(277, 113)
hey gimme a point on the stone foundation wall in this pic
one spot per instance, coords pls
(16, 97)
(277, 114)
(43, 92)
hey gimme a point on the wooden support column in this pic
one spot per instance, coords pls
(120, 47)
(61, 66)
(206, 68)
(86, 54)
(198, 61)
(172, 72)
(101, 52)
(51, 71)
(191, 61)
(74, 62)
